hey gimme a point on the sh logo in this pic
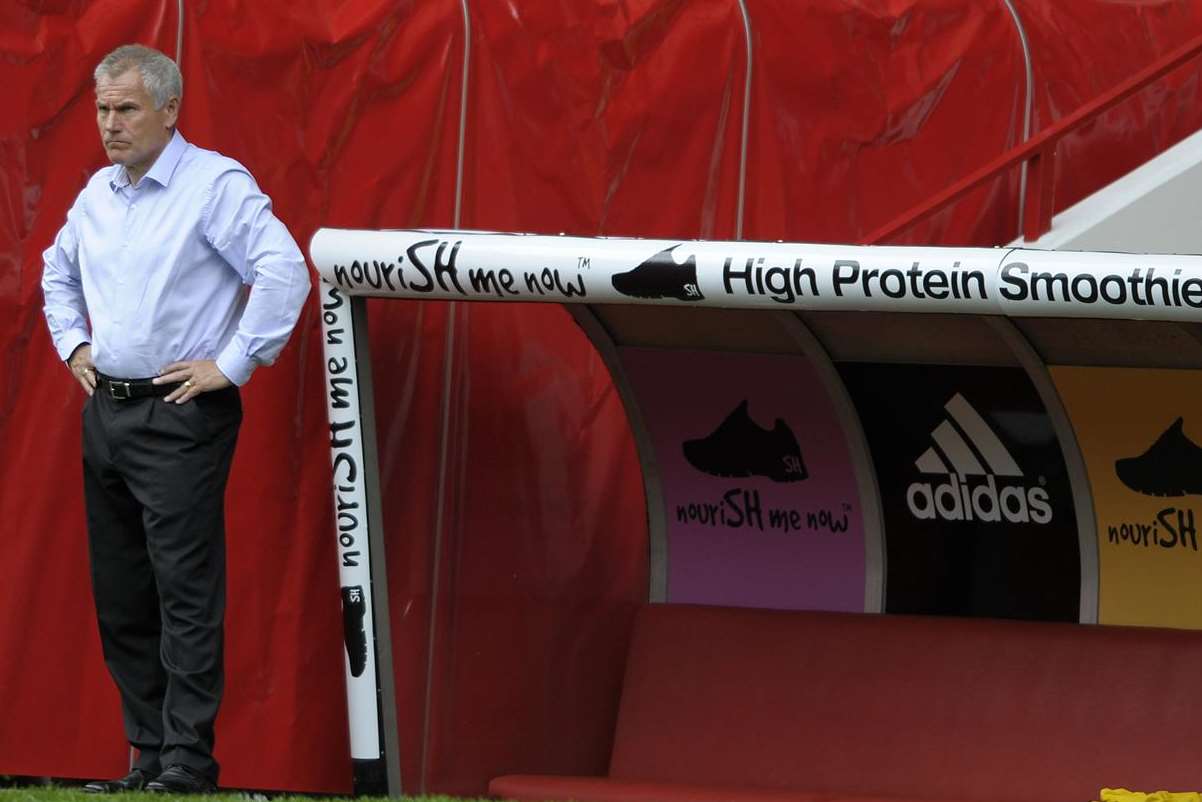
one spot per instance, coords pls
(661, 276)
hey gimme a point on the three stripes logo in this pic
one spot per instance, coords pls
(971, 458)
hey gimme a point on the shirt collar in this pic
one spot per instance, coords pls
(163, 168)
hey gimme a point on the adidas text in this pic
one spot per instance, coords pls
(954, 500)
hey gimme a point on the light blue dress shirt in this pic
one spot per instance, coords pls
(188, 264)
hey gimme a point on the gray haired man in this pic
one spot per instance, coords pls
(170, 282)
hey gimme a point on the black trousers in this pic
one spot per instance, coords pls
(154, 485)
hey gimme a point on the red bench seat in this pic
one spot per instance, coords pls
(604, 789)
(726, 704)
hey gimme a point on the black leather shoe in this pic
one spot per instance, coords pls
(181, 779)
(136, 780)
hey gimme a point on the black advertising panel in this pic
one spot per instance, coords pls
(978, 511)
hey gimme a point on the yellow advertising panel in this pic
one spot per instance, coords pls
(1140, 432)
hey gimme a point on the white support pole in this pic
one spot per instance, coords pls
(370, 687)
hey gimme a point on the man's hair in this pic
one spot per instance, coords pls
(160, 75)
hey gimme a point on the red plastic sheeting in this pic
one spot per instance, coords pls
(589, 116)
(1081, 49)
(861, 110)
(606, 117)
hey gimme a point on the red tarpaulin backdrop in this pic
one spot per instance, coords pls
(512, 496)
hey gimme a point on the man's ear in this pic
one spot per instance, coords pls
(172, 109)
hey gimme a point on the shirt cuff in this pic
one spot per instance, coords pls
(67, 343)
(236, 368)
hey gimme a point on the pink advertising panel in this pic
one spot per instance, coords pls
(760, 496)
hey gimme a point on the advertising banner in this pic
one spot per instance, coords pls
(761, 500)
(978, 511)
(1139, 432)
(472, 265)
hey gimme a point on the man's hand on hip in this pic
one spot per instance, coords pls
(196, 377)
(80, 364)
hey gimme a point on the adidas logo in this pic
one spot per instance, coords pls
(972, 458)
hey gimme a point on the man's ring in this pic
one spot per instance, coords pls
(188, 383)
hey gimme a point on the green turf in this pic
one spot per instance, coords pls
(49, 793)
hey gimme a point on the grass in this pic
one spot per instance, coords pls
(60, 793)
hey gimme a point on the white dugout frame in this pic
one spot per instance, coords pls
(997, 283)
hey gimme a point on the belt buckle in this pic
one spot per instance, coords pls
(124, 395)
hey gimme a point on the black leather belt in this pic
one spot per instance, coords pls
(127, 389)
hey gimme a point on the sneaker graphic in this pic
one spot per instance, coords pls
(740, 447)
(1172, 466)
(661, 277)
(353, 608)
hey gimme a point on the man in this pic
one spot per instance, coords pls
(147, 302)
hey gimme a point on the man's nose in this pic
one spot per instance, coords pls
(111, 121)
